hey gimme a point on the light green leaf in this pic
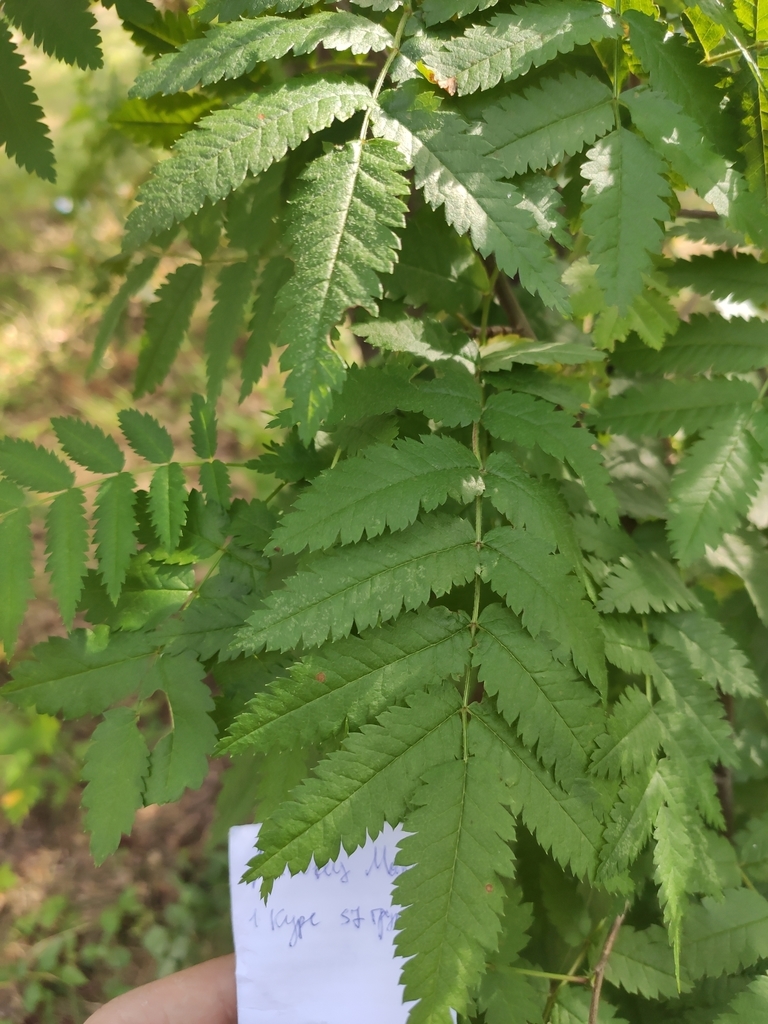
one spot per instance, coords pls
(203, 427)
(721, 275)
(529, 421)
(633, 738)
(166, 325)
(627, 645)
(537, 586)
(713, 488)
(565, 823)
(353, 196)
(455, 169)
(179, 760)
(88, 445)
(642, 961)
(453, 894)
(666, 406)
(645, 581)
(352, 680)
(749, 1006)
(145, 435)
(513, 43)
(722, 937)
(67, 548)
(114, 531)
(83, 674)
(363, 584)
(703, 344)
(22, 129)
(213, 159)
(540, 127)
(232, 50)
(115, 767)
(625, 203)
(555, 711)
(214, 481)
(359, 787)
(709, 649)
(631, 823)
(32, 466)
(168, 504)
(384, 487)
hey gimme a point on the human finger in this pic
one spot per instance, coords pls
(204, 994)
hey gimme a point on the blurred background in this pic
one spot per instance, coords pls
(71, 935)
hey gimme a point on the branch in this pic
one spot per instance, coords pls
(602, 963)
(505, 293)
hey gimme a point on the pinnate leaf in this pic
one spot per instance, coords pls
(213, 159)
(513, 43)
(353, 196)
(88, 445)
(709, 649)
(83, 674)
(232, 298)
(362, 584)
(145, 435)
(554, 709)
(22, 129)
(32, 466)
(359, 787)
(115, 767)
(15, 572)
(453, 894)
(180, 758)
(67, 548)
(115, 529)
(353, 680)
(168, 504)
(545, 124)
(65, 29)
(454, 168)
(529, 421)
(665, 406)
(234, 49)
(166, 325)
(625, 203)
(712, 488)
(383, 487)
(537, 586)
(643, 582)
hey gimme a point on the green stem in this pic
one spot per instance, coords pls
(572, 979)
(385, 69)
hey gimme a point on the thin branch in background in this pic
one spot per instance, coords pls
(602, 963)
(505, 293)
(698, 214)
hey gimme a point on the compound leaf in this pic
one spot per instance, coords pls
(352, 680)
(180, 758)
(67, 547)
(22, 129)
(453, 894)
(88, 445)
(384, 487)
(115, 531)
(213, 159)
(145, 435)
(359, 787)
(168, 504)
(115, 768)
(65, 29)
(166, 325)
(33, 467)
(360, 585)
(625, 205)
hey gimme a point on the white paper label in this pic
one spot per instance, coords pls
(321, 950)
